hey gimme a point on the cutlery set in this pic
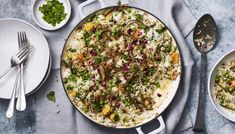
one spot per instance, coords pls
(19, 60)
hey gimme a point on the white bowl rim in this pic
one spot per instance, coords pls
(209, 84)
(52, 28)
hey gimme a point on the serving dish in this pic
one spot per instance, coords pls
(227, 113)
(172, 86)
(37, 15)
(44, 79)
(39, 63)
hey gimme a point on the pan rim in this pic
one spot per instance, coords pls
(175, 91)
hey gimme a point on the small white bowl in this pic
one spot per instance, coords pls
(37, 15)
(229, 114)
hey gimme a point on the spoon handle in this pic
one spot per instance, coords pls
(199, 123)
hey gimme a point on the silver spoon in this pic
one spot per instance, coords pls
(204, 37)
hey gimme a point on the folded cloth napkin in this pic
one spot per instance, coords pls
(61, 117)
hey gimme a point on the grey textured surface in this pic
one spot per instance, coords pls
(223, 12)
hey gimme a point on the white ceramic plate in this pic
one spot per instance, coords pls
(229, 114)
(44, 79)
(37, 15)
(38, 63)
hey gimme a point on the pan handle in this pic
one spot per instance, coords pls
(83, 4)
(156, 131)
(124, 2)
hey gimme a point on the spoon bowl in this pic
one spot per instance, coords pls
(204, 35)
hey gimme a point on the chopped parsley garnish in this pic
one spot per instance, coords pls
(98, 34)
(116, 117)
(53, 12)
(65, 80)
(124, 56)
(152, 71)
(69, 87)
(142, 26)
(114, 32)
(145, 80)
(85, 109)
(51, 96)
(72, 77)
(87, 34)
(226, 74)
(65, 63)
(73, 50)
(157, 84)
(85, 74)
(127, 102)
(119, 3)
(161, 30)
(217, 78)
(168, 48)
(87, 39)
(73, 70)
(139, 17)
(118, 81)
(97, 106)
(98, 60)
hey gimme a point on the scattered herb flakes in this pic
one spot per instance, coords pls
(58, 112)
(51, 96)
(119, 3)
(98, 60)
(53, 12)
(161, 30)
(139, 17)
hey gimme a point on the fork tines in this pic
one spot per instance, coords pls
(24, 51)
(23, 45)
(22, 39)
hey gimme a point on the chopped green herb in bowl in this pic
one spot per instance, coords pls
(53, 12)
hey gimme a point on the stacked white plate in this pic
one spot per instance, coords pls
(39, 63)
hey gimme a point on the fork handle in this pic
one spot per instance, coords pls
(4, 73)
(10, 109)
(21, 101)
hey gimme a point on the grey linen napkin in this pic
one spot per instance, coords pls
(61, 117)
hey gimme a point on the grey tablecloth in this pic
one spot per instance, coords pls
(61, 117)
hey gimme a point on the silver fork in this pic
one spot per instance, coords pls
(16, 60)
(21, 100)
(10, 109)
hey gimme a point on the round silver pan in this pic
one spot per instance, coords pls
(173, 88)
